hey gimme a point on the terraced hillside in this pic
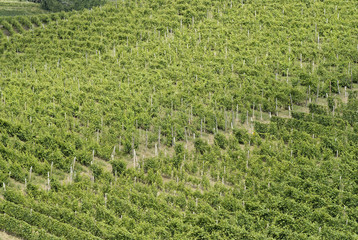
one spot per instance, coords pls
(181, 120)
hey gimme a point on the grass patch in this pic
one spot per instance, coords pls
(15, 8)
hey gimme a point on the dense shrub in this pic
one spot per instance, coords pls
(61, 5)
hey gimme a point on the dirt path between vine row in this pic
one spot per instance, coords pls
(5, 236)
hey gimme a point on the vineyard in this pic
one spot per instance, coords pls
(158, 119)
(19, 7)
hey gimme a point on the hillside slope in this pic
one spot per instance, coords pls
(182, 120)
(18, 7)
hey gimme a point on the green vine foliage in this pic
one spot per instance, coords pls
(180, 120)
